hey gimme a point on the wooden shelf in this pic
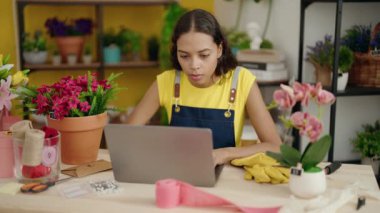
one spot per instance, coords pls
(130, 64)
(126, 2)
(95, 65)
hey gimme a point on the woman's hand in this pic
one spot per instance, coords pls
(221, 156)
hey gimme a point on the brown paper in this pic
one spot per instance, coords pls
(88, 168)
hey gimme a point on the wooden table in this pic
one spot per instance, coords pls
(141, 197)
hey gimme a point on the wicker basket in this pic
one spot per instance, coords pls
(365, 71)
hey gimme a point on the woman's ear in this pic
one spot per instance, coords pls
(220, 50)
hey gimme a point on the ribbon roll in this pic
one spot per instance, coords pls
(18, 130)
(33, 146)
(171, 193)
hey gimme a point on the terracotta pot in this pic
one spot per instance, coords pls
(70, 45)
(80, 137)
(323, 75)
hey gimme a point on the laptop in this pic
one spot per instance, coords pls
(146, 154)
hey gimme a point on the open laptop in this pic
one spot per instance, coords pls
(146, 154)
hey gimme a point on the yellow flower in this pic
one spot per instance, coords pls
(18, 78)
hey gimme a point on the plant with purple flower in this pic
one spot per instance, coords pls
(320, 53)
(76, 27)
(358, 38)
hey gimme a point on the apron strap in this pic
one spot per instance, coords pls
(176, 84)
(235, 78)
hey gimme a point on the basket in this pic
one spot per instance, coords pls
(365, 71)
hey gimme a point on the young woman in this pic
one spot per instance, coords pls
(208, 89)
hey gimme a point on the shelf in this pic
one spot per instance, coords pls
(359, 91)
(61, 67)
(130, 64)
(109, 2)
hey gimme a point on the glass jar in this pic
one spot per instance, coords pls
(43, 164)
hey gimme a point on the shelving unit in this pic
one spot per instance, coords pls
(100, 66)
(350, 91)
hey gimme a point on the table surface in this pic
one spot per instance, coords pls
(141, 197)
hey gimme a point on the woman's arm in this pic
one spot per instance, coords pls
(263, 125)
(146, 108)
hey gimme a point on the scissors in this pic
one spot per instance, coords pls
(36, 187)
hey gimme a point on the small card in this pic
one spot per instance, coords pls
(88, 168)
(295, 171)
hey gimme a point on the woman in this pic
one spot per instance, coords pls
(208, 89)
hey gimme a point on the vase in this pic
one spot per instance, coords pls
(308, 184)
(112, 54)
(35, 57)
(323, 75)
(80, 137)
(342, 81)
(69, 45)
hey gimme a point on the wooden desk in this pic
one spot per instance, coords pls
(141, 197)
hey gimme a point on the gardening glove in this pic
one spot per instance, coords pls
(263, 169)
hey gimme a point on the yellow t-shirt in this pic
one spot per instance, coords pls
(213, 97)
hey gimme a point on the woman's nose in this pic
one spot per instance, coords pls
(195, 64)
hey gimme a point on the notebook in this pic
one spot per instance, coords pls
(146, 154)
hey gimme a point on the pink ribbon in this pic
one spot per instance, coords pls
(171, 193)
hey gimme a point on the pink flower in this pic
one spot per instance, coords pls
(301, 93)
(298, 119)
(313, 128)
(5, 94)
(284, 98)
(325, 97)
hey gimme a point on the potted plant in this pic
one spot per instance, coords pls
(345, 61)
(131, 43)
(34, 49)
(307, 180)
(69, 35)
(56, 58)
(153, 48)
(87, 56)
(319, 56)
(367, 142)
(112, 43)
(77, 108)
(238, 40)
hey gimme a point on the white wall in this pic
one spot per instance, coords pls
(283, 31)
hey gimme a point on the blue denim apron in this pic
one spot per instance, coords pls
(220, 121)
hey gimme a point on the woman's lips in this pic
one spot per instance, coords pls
(195, 77)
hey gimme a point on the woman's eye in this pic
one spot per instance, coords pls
(204, 56)
(184, 56)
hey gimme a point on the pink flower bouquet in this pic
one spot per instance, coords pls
(71, 97)
(307, 124)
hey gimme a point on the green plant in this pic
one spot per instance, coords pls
(171, 16)
(357, 38)
(367, 142)
(153, 48)
(111, 37)
(36, 44)
(320, 53)
(87, 49)
(266, 44)
(239, 40)
(346, 59)
(131, 40)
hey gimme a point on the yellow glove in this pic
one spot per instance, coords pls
(263, 169)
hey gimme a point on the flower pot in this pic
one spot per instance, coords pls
(69, 45)
(375, 163)
(112, 54)
(80, 137)
(39, 57)
(323, 75)
(56, 60)
(308, 184)
(87, 59)
(72, 59)
(342, 81)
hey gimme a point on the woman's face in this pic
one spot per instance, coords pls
(198, 56)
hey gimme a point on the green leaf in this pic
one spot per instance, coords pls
(6, 59)
(279, 158)
(290, 154)
(316, 152)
